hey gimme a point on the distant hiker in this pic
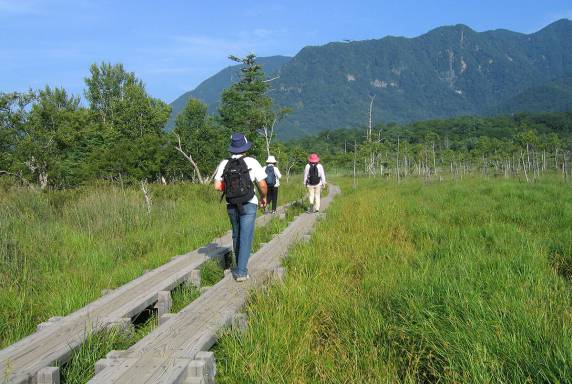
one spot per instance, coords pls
(235, 177)
(314, 180)
(273, 176)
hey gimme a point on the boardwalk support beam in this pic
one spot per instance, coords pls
(164, 303)
(202, 370)
(195, 278)
(48, 375)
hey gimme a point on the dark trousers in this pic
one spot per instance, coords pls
(272, 197)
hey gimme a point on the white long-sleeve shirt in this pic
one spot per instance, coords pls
(321, 173)
(277, 173)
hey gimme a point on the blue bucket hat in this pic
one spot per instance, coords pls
(238, 143)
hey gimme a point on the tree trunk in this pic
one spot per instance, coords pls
(146, 195)
(43, 179)
(370, 120)
(190, 158)
(398, 179)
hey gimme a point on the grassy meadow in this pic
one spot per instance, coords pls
(60, 249)
(456, 282)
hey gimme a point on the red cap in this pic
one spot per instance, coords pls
(313, 158)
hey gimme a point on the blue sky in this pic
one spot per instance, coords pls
(174, 45)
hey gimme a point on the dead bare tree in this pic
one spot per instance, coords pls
(355, 154)
(40, 168)
(397, 161)
(268, 134)
(369, 127)
(289, 166)
(272, 79)
(193, 163)
(524, 168)
(146, 194)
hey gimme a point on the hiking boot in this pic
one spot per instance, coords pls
(240, 279)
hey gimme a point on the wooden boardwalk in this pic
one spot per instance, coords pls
(30, 359)
(175, 352)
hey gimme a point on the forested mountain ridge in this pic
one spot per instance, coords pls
(449, 71)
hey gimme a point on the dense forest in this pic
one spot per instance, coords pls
(523, 144)
(49, 138)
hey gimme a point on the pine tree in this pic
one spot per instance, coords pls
(245, 107)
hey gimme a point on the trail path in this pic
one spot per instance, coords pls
(168, 354)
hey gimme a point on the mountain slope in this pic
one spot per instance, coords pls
(209, 91)
(449, 71)
(553, 96)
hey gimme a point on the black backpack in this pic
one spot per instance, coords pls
(238, 188)
(313, 175)
(270, 176)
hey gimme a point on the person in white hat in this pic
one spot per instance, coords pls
(273, 176)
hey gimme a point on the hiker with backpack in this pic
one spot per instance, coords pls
(236, 177)
(314, 180)
(273, 176)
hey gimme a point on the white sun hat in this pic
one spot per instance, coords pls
(271, 159)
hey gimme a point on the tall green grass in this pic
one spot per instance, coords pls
(59, 249)
(80, 368)
(446, 282)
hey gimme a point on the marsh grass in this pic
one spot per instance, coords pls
(445, 282)
(60, 249)
(80, 368)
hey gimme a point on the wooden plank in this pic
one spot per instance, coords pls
(55, 340)
(194, 329)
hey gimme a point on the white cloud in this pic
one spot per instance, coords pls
(240, 43)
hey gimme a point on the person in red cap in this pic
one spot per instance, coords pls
(314, 180)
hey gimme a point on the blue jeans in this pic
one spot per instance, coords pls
(242, 234)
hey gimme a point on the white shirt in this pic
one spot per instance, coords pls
(321, 173)
(255, 170)
(277, 173)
